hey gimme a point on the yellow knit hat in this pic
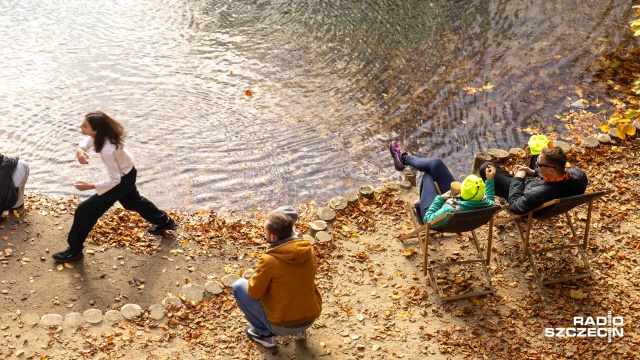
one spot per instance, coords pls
(472, 188)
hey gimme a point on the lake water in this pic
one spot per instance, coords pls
(332, 82)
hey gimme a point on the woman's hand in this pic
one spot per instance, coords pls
(82, 186)
(82, 156)
(490, 172)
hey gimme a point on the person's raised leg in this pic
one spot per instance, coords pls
(502, 181)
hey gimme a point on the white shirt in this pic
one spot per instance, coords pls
(118, 161)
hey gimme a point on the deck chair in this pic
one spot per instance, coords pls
(464, 221)
(550, 209)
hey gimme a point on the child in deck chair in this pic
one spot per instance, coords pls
(474, 193)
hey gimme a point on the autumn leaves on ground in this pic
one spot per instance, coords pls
(377, 303)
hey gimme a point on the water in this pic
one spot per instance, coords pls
(332, 83)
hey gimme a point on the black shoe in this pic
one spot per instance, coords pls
(267, 341)
(68, 255)
(158, 229)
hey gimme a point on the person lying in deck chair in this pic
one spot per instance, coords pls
(474, 193)
(529, 188)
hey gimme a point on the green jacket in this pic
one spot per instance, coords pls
(439, 207)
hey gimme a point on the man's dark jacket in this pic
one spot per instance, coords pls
(8, 191)
(526, 196)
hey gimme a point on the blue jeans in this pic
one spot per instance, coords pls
(256, 316)
(251, 308)
(435, 171)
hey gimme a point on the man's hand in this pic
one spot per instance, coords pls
(82, 156)
(490, 172)
(82, 186)
(522, 171)
(446, 195)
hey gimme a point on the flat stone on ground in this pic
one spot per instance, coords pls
(247, 274)
(171, 300)
(214, 287)
(113, 316)
(73, 320)
(229, 279)
(51, 320)
(603, 138)
(590, 142)
(130, 311)
(92, 316)
(323, 236)
(338, 203)
(326, 214)
(156, 311)
(309, 238)
(31, 319)
(351, 197)
(9, 317)
(562, 145)
(193, 292)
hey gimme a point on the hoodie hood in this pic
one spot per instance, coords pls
(292, 252)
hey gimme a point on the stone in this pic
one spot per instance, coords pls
(247, 274)
(410, 176)
(562, 145)
(171, 300)
(192, 292)
(9, 318)
(636, 123)
(326, 214)
(497, 154)
(580, 104)
(92, 316)
(323, 236)
(351, 197)
(130, 311)
(406, 184)
(613, 133)
(214, 287)
(603, 138)
(590, 142)
(315, 226)
(229, 279)
(51, 320)
(113, 316)
(156, 311)
(479, 158)
(366, 191)
(31, 319)
(338, 203)
(309, 238)
(519, 152)
(73, 320)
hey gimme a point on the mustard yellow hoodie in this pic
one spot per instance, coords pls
(284, 283)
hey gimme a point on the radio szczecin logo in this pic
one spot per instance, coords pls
(600, 326)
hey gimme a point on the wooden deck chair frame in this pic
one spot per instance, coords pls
(457, 224)
(550, 209)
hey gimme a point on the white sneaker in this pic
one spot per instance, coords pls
(300, 336)
(267, 341)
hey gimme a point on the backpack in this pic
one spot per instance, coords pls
(8, 190)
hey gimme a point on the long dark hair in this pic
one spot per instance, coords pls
(105, 128)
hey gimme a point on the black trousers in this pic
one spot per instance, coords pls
(502, 181)
(90, 210)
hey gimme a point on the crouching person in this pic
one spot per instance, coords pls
(281, 298)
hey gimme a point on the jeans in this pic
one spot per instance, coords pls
(256, 316)
(20, 176)
(435, 171)
(90, 210)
